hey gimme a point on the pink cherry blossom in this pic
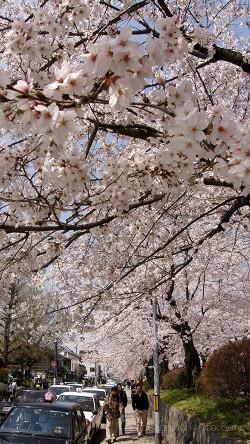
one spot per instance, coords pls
(125, 156)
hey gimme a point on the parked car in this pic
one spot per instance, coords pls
(106, 387)
(77, 386)
(70, 382)
(31, 396)
(25, 395)
(114, 381)
(60, 388)
(99, 392)
(44, 423)
(91, 406)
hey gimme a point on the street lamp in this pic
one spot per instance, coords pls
(156, 373)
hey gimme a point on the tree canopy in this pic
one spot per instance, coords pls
(124, 161)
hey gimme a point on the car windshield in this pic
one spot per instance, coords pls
(30, 396)
(100, 394)
(87, 404)
(60, 389)
(37, 421)
(108, 390)
(77, 387)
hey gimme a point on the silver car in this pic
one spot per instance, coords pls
(91, 406)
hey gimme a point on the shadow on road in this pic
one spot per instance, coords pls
(130, 437)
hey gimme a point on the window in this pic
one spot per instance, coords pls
(60, 389)
(37, 421)
(92, 369)
(97, 404)
(99, 393)
(86, 403)
(81, 419)
(76, 424)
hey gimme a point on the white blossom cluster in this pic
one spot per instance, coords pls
(120, 65)
(119, 120)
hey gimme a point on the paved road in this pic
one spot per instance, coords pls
(131, 435)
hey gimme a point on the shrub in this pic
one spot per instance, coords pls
(227, 371)
(175, 378)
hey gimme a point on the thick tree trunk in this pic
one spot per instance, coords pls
(7, 321)
(192, 361)
(149, 370)
(164, 367)
(6, 338)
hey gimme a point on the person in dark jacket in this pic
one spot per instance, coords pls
(140, 405)
(123, 402)
(133, 388)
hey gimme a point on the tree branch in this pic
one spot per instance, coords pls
(91, 139)
(69, 227)
(135, 131)
(221, 54)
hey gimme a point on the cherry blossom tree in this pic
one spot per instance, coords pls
(105, 108)
(125, 152)
(194, 278)
(26, 324)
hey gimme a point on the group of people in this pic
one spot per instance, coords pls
(41, 383)
(114, 409)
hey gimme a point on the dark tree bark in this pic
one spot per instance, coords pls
(7, 321)
(150, 373)
(164, 363)
(192, 361)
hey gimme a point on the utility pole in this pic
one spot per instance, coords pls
(156, 374)
(56, 361)
(95, 373)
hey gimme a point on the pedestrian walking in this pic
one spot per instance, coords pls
(140, 405)
(111, 409)
(123, 400)
(133, 388)
(14, 388)
(10, 391)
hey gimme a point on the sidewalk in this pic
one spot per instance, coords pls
(131, 433)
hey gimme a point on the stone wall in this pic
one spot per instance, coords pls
(180, 428)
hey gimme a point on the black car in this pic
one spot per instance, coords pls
(23, 396)
(44, 423)
(31, 396)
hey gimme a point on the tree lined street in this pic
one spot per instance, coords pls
(124, 178)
